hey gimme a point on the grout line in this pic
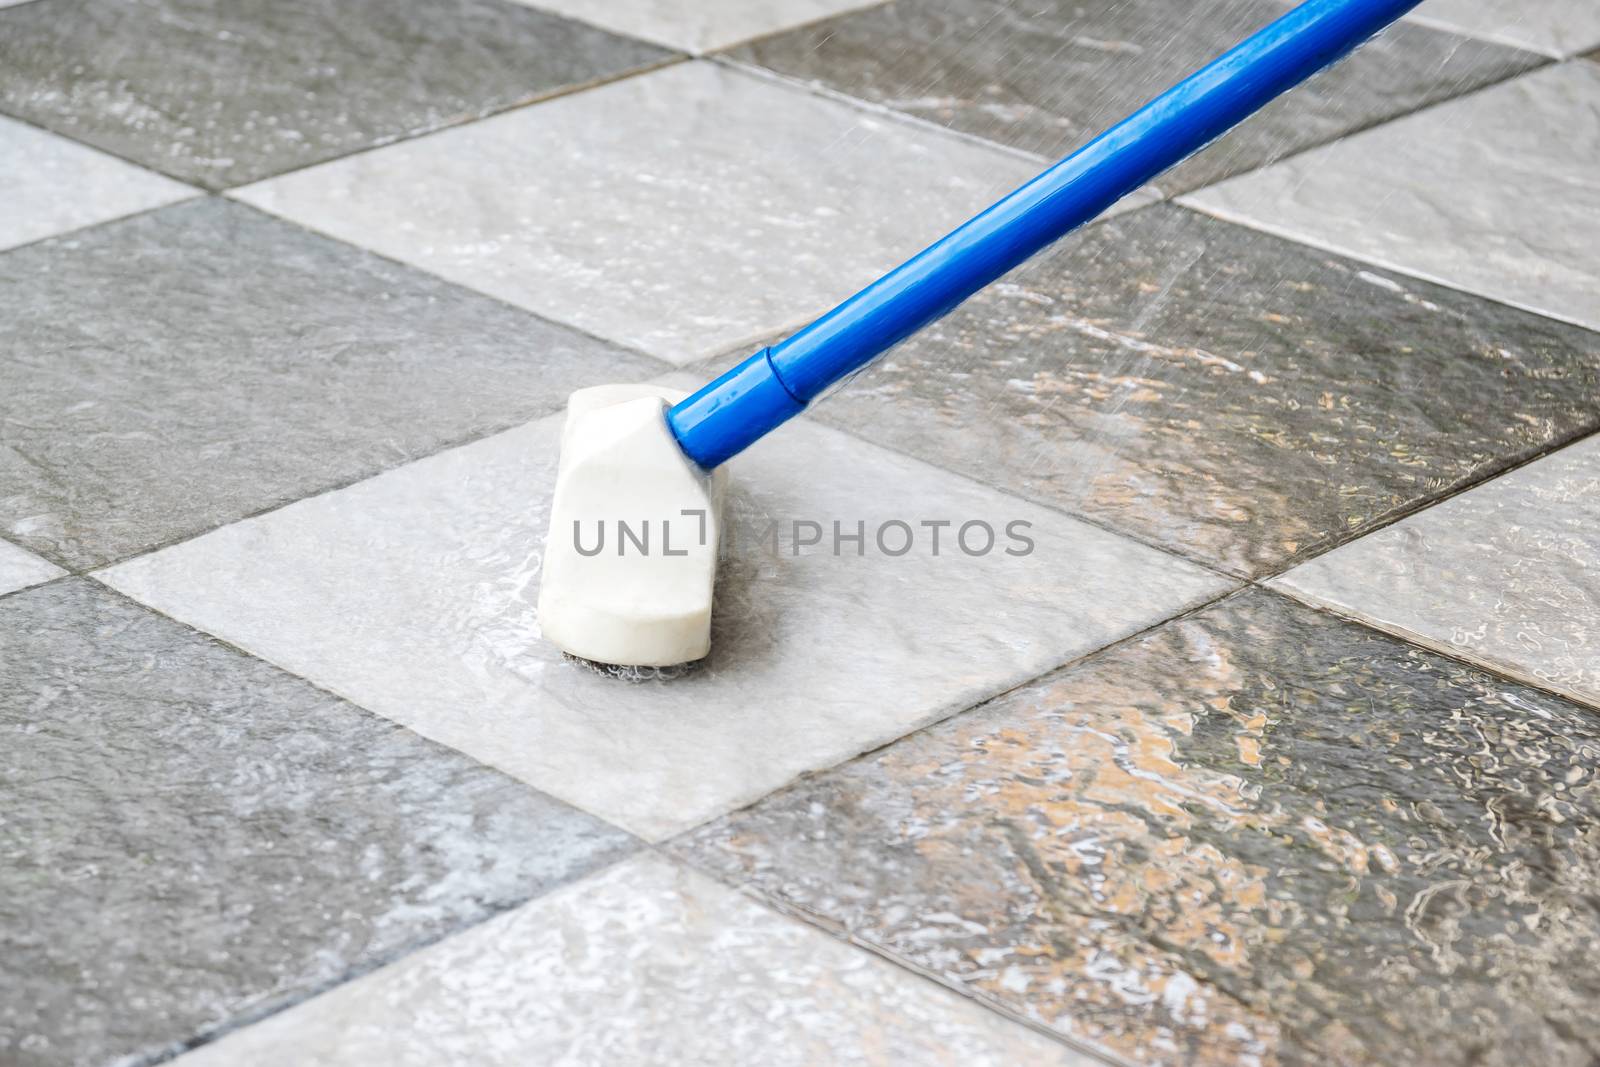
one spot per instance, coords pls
(196, 193)
(1152, 187)
(111, 153)
(673, 58)
(37, 585)
(1502, 671)
(473, 436)
(246, 1019)
(609, 342)
(1427, 21)
(1068, 664)
(1088, 520)
(1544, 451)
(470, 438)
(544, 97)
(861, 7)
(1283, 233)
(872, 107)
(829, 928)
(668, 847)
(1368, 126)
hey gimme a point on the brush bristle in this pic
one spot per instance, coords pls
(634, 674)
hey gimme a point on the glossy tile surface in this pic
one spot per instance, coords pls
(1258, 834)
(192, 837)
(1554, 27)
(181, 369)
(220, 93)
(20, 569)
(51, 185)
(413, 594)
(1048, 76)
(643, 212)
(700, 26)
(1496, 193)
(644, 963)
(1507, 574)
(1224, 393)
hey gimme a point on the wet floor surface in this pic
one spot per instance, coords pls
(1275, 744)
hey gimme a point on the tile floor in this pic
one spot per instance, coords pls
(1279, 746)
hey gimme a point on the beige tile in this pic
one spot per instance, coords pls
(1497, 193)
(1507, 575)
(700, 26)
(644, 964)
(413, 594)
(51, 185)
(1554, 27)
(680, 212)
(20, 569)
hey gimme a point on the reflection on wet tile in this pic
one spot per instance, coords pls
(1554, 27)
(19, 569)
(1255, 834)
(221, 93)
(702, 25)
(413, 594)
(51, 185)
(641, 212)
(1507, 574)
(192, 837)
(1048, 76)
(184, 368)
(1496, 193)
(1223, 393)
(642, 964)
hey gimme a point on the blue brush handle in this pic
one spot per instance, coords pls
(775, 384)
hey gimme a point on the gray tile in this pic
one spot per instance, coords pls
(51, 185)
(1554, 27)
(1225, 394)
(681, 212)
(1255, 835)
(414, 594)
(193, 837)
(1507, 575)
(642, 964)
(183, 368)
(20, 569)
(1049, 76)
(220, 93)
(702, 25)
(1496, 193)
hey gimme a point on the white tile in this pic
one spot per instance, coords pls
(50, 185)
(1497, 193)
(701, 25)
(1554, 27)
(643, 964)
(413, 595)
(1507, 575)
(20, 569)
(682, 212)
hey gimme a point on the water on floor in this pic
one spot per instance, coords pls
(1184, 653)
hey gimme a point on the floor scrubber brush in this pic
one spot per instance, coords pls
(637, 457)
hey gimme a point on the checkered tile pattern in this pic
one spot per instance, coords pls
(1280, 746)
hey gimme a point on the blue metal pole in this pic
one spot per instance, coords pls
(774, 385)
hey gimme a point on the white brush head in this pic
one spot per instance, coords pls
(634, 528)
